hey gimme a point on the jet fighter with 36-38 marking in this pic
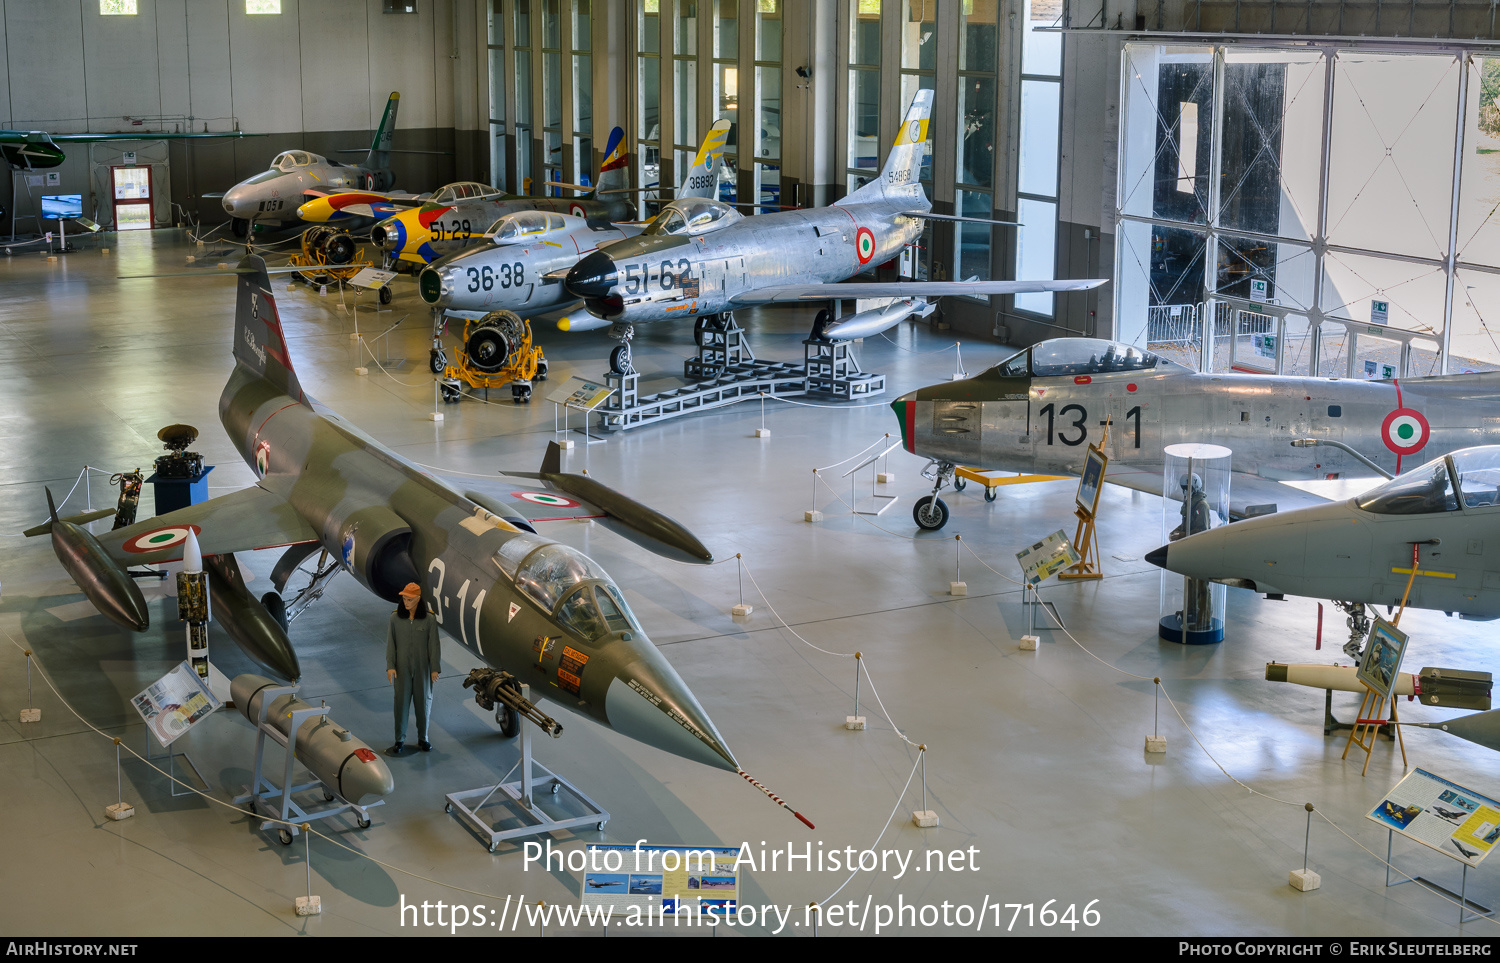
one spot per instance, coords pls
(507, 594)
(1040, 409)
(701, 258)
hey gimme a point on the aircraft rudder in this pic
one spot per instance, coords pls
(703, 177)
(612, 173)
(903, 165)
(259, 344)
(385, 133)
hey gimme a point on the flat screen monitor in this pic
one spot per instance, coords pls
(61, 206)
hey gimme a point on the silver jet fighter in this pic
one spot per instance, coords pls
(273, 196)
(701, 258)
(1039, 410)
(515, 599)
(1361, 550)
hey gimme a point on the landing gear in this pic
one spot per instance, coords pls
(711, 322)
(274, 605)
(386, 296)
(1359, 628)
(930, 512)
(437, 360)
(619, 358)
(451, 392)
(239, 227)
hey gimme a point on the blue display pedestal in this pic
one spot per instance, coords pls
(174, 493)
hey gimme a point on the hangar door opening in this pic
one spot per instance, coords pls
(1330, 210)
(132, 198)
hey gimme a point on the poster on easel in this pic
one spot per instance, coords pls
(1091, 482)
(1452, 819)
(1381, 664)
(176, 702)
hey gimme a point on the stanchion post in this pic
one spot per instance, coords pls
(762, 431)
(924, 818)
(120, 809)
(742, 610)
(308, 905)
(30, 713)
(812, 514)
(1305, 880)
(856, 721)
(437, 399)
(958, 586)
(1156, 742)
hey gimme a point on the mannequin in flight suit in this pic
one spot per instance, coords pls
(412, 661)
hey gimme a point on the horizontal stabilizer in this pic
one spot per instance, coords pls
(908, 289)
(81, 519)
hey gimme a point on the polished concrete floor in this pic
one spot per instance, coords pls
(1035, 764)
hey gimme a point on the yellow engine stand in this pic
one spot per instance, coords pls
(524, 364)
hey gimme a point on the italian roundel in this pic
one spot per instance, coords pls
(576, 210)
(864, 245)
(160, 538)
(1405, 431)
(546, 498)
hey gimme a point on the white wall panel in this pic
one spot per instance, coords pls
(402, 58)
(335, 65)
(119, 64)
(43, 52)
(5, 108)
(210, 79)
(172, 58)
(267, 69)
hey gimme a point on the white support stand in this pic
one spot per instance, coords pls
(276, 802)
(1157, 742)
(878, 503)
(120, 809)
(171, 758)
(437, 401)
(744, 609)
(812, 514)
(856, 722)
(519, 800)
(308, 905)
(30, 713)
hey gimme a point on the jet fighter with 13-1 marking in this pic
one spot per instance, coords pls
(701, 258)
(1040, 409)
(510, 596)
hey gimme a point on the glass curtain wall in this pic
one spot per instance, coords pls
(581, 44)
(1036, 181)
(767, 140)
(685, 133)
(1243, 242)
(975, 140)
(726, 27)
(862, 159)
(498, 73)
(648, 93)
(521, 10)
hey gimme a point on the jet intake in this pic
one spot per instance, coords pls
(375, 545)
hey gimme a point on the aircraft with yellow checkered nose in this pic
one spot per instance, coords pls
(700, 258)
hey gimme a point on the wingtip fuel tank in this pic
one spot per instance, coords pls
(103, 581)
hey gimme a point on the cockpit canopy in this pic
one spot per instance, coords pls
(1076, 356)
(290, 160)
(464, 191)
(524, 224)
(1470, 476)
(693, 215)
(567, 584)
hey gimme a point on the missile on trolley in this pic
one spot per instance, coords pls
(249, 623)
(1339, 677)
(103, 581)
(340, 760)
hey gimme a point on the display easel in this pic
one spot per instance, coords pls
(1085, 537)
(1367, 724)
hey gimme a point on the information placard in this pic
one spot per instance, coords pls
(1047, 557)
(662, 880)
(1441, 815)
(579, 393)
(175, 703)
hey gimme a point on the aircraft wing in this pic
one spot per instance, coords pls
(247, 519)
(1248, 494)
(907, 289)
(143, 135)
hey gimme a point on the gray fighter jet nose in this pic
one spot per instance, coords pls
(436, 287)
(593, 277)
(232, 201)
(1158, 557)
(651, 704)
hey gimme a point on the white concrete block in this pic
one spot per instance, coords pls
(434, 416)
(1156, 743)
(762, 432)
(886, 477)
(854, 722)
(741, 610)
(813, 516)
(31, 715)
(362, 371)
(119, 810)
(352, 337)
(958, 588)
(566, 444)
(309, 906)
(1030, 642)
(1304, 880)
(924, 819)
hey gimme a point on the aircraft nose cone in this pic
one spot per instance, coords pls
(1158, 557)
(650, 703)
(233, 200)
(905, 408)
(593, 277)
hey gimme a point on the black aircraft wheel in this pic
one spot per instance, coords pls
(990, 494)
(510, 722)
(820, 321)
(723, 322)
(327, 796)
(619, 359)
(362, 822)
(436, 360)
(239, 227)
(386, 296)
(451, 394)
(699, 326)
(541, 369)
(959, 484)
(930, 513)
(285, 835)
(274, 605)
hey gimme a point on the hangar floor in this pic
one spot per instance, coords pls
(1035, 761)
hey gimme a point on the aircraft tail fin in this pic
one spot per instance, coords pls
(380, 147)
(614, 172)
(552, 461)
(51, 507)
(903, 166)
(259, 345)
(702, 178)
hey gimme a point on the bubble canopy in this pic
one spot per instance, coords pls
(693, 215)
(1468, 478)
(1077, 356)
(567, 583)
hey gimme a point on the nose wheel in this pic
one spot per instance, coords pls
(931, 512)
(619, 358)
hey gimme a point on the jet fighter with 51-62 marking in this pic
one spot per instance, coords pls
(1038, 411)
(510, 596)
(701, 258)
